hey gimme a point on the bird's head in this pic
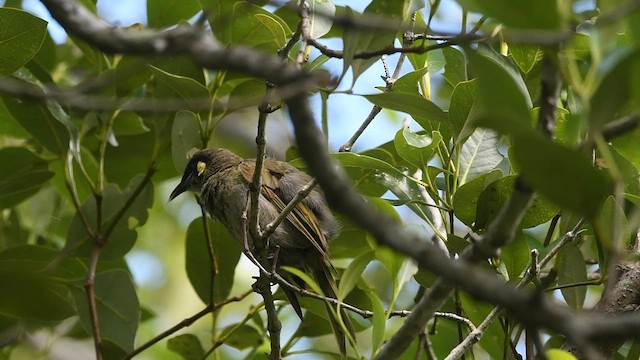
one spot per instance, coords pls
(195, 174)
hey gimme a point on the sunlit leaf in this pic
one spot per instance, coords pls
(21, 35)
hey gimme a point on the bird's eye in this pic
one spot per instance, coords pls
(200, 167)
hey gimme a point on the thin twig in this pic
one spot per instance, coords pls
(185, 323)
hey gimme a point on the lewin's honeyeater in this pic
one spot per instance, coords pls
(220, 179)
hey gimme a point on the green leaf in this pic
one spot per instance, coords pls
(165, 13)
(246, 94)
(198, 261)
(29, 294)
(493, 339)
(515, 256)
(479, 154)
(503, 98)
(379, 321)
(38, 120)
(542, 14)
(619, 77)
(356, 41)
(320, 17)
(421, 109)
(186, 345)
(21, 35)
(525, 55)
(557, 354)
(563, 175)
(498, 193)
(627, 146)
(406, 190)
(408, 83)
(124, 232)
(416, 148)
(185, 135)
(455, 69)
(117, 305)
(188, 89)
(572, 270)
(38, 258)
(252, 26)
(352, 275)
(242, 337)
(465, 200)
(461, 110)
(22, 174)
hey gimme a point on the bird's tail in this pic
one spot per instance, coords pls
(327, 284)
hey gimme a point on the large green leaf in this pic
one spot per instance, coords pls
(571, 271)
(463, 104)
(189, 90)
(619, 72)
(503, 98)
(479, 154)
(515, 256)
(113, 201)
(21, 35)
(320, 13)
(455, 69)
(496, 195)
(165, 13)
(242, 337)
(543, 14)
(22, 174)
(186, 345)
(38, 120)
(416, 148)
(198, 262)
(421, 109)
(185, 135)
(465, 200)
(117, 306)
(356, 41)
(563, 175)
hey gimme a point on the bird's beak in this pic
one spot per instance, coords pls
(182, 187)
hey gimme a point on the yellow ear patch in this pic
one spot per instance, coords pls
(200, 167)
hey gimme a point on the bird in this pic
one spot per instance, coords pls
(220, 179)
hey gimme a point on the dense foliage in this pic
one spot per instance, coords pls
(519, 155)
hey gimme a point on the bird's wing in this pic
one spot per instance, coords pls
(301, 217)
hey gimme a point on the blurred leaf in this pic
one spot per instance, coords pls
(421, 109)
(356, 41)
(22, 174)
(498, 193)
(320, 13)
(455, 69)
(30, 294)
(117, 305)
(406, 190)
(379, 323)
(188, 89)
(128, 123)
(408, 83)
(572, 270)
(242, 337)
(38, 120)
(252, 25)
(557, 354)
(248, 93)
(465, 200)
(515, 256)
(186, 345)
(543, 14)
(353, 273)
(627, 146)
(166, 13)
(503, 99)
(185, 135)
(416, 148)
(525, 55)
(38, 258)
(113, 202)
(479, 154)
(494, 337)
(21, 35)
(563, 175)
(463, 104)
(198, 262)
(612, 222)
(619, 70)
